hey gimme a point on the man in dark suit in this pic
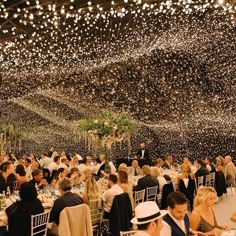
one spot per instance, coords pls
(67, 199)
(143, 153)
(201, 168)
(147, 180)
(168, 162)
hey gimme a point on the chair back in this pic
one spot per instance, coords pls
(96, 212)
(212, 181)
(200, 181)
(39, 224)
(139, 196)
(75, 221)
(151, 193)
(208, 180)
(127, 233)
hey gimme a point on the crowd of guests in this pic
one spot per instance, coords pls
(62, 172)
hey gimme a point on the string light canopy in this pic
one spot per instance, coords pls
(155, 59)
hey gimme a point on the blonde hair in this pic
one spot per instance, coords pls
(123, 167)
(185, 167)
(91, 189)
(155, 171)
(203, 193)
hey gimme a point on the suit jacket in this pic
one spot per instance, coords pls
(145, 182)
(120, 214)
(69, 199)
(202, 171)
(166, 165)
(146, 154)
(230, 170)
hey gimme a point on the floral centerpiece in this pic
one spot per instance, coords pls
(105, 129)
(10, 137)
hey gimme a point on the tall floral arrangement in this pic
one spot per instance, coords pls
(10, 137)
(105, 129)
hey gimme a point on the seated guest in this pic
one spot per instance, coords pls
(19, 213)
(203, 217)
(230, 170)
(186, 183)
(74, 176)
(220, 163)
(91, 190)
(7, 176)
(21, 175)
(147, 180)
(176, 222)
(123, 167)
(161, 180)
(168, 162)
(106, 167)
(148, 219)
(209, 164)
(201, 169)
(126, 185)
(67, 199)
(134, 170)
(158, 163)
(37, 179)
(53, 166)
(108, 195)
(44, 161)
(60, 174)
(64, 165)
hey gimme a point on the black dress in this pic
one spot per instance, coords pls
(19, 216)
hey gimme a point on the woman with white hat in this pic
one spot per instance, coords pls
(148, 219)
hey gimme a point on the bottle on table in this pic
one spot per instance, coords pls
(8, 193)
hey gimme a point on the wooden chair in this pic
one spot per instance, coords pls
(39, 224)
(96, 212)
(151, 193)
(139, 197)
(127, 233)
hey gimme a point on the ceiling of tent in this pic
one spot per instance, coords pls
(171, 64)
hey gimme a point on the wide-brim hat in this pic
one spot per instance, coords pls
(146, 212)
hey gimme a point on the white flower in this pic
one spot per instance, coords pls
(106, 123)
(96, 121)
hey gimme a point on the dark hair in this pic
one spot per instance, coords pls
(176, 198)
(56, 158)
(59, 171)
(5, 165)
(200, 162)
(20, 170)
(28, 160)
(36, 172)
(123, 176)
(28, 192)
(113, 178)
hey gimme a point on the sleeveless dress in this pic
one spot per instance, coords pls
(205, 226)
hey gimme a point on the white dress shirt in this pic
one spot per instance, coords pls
(108, 196)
